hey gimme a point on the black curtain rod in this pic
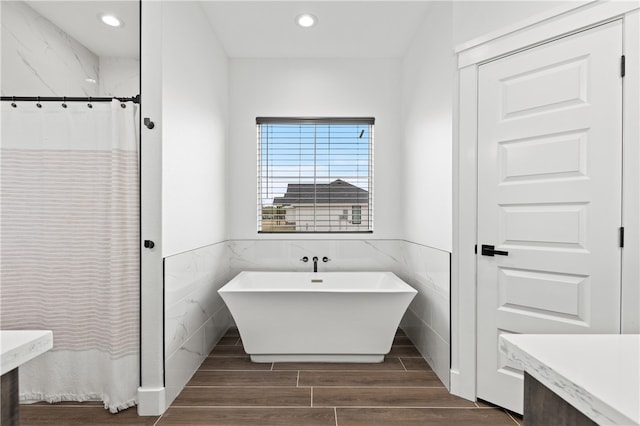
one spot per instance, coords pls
(135, 99)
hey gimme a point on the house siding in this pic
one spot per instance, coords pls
(327, 218)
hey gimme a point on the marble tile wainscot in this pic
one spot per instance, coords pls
(195, 316)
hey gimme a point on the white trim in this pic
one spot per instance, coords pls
(463, 265)
(463, 277)
(519, 25)
(151, 291)
(151, 401)
(560, 25)
(631, 177)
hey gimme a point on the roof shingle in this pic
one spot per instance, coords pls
(336, 192)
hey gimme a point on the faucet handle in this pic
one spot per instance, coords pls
(305, 259)
(325, 259)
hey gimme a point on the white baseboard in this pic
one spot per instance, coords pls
(458, 386)
(151, 401)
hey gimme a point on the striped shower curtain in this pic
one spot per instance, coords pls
(69, 247)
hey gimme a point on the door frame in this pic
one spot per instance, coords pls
(537, 30)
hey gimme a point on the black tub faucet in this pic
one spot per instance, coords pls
(315, 263)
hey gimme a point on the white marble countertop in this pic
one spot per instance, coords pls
(20, 346)
(598, 374)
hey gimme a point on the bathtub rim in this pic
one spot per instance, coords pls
(234, 285)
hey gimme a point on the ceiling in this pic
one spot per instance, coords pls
(360, 29)
(257, 29)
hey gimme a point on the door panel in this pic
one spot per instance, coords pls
(522, 95)
(549, 194)
(559, 156)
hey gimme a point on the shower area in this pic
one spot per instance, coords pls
(87, 150)
(70, 201)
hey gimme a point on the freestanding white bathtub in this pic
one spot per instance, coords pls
(317, 317)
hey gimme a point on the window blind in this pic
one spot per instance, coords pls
(315, 174)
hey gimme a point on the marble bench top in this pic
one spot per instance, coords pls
(598, 374)
(20, 346)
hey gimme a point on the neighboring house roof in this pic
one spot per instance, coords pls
(336, 192)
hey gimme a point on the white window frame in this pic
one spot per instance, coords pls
(333, 222)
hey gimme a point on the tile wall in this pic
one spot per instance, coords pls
(427, 321)
(39, 59)
(195, 316)
(285, 255)
(119, 76)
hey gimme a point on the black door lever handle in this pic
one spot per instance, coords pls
(491, 251)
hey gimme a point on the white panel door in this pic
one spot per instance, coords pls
(549, 196)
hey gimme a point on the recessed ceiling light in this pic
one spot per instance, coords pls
(90, 80)
(306, 20)
(110, 20)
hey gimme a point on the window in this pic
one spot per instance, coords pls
(356, 215)
(311, 171)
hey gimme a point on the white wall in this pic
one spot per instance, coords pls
(194, 137)
(473, 19)
(195, 112)
(314, 87)
(428, 73)
(631, 195)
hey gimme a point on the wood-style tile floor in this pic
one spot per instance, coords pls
(229, 389)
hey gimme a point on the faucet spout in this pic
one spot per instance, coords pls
(315, 263)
